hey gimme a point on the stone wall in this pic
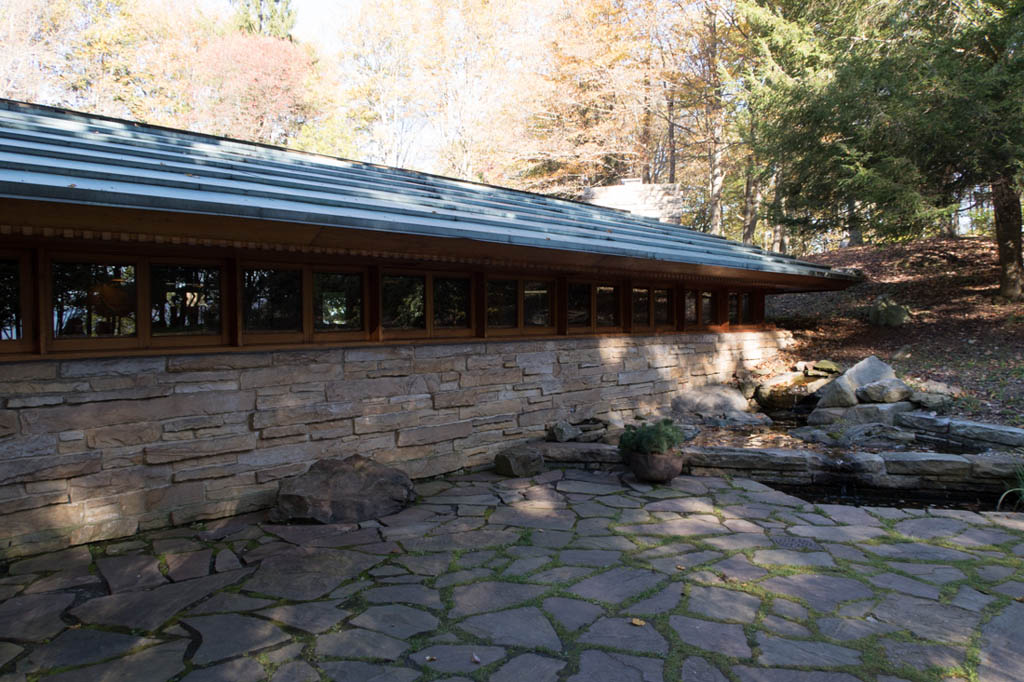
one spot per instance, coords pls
(100, 448)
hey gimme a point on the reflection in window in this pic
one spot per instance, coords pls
(691, 308)
(10, 301)
(337, 301)
(502, 295)
(451, 302)
(91, 300)
(707, 308)
(403, 302)
(537, 298)
(607, 306)
(745, 314)
(641, 307)
(272, 300)
(184, 299)
(662, 306)
(579, 305)
(734, 309)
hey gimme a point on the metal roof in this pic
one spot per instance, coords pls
(57, 155)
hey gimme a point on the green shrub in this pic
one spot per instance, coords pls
(1018, 491)
(648, 438)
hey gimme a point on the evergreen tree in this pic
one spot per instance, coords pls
(882, 114)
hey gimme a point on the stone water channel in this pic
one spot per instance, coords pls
(570, 575)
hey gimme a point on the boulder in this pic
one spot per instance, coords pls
(519, 463)
(875, 435)
(828, 366)
(710, 399)
(938, 402)
(737, 420)
(885, 312)
(877, 413)
(823, 416)
(563, 432)
(840, 392)
(885, 391)
(782, 392)
(347, 490)
(868, 371)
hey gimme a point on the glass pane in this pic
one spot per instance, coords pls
(91, 300)
(745, 316)
(501, 303)
(337, 301)
(579, 305)
(272, 300)
(451, 302)
(641, 307)
(662, 306)
(734, 309)
(607, 306)
(10, 300)
(403, 302)
(707, 308)
(537, 304)
(184, 299)
(691, 308)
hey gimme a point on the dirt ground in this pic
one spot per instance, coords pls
(960, 333)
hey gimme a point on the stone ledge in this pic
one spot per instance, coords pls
(925, 463)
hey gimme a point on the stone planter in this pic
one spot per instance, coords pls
(657, 467)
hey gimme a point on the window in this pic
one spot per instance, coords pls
(11, 328)
(337, 301)
(608, 309)
(184, 299)
(537, 298)
(403, 302)
(746, 316)
(708, 314)
(641, 307)
(734, 309)
(579, 314)
(93, 300)
(452, 303)
(690, 312)
(272, 300)
(502, 303)
(663, 307)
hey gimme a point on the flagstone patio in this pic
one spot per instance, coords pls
(568, 576)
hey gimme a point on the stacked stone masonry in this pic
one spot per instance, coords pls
(101, 448)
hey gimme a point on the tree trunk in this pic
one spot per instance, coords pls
(713, 114)
(853, 229)
(751, 201)
(1006, 202)
(670, 107)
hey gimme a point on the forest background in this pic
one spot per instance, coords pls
(797, 125)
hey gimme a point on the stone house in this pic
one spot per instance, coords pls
(185, 320)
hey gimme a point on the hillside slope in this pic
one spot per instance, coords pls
(959, 333)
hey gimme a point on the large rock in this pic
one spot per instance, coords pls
(714, 398)
(868, 371)
(840, 392)
(344, 491)
(885, 391)
(519, 462)
(885, 312)
(562, 432)
(782, 392)
(939, 402)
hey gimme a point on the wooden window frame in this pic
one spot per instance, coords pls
(594, 327)
(186, 339)
(429, 331)
(135, 342)
(341, 335)
(258, 338)
(521, 328)
(651, 325)
(27, 284)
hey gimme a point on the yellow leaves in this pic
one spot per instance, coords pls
(638, 622)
